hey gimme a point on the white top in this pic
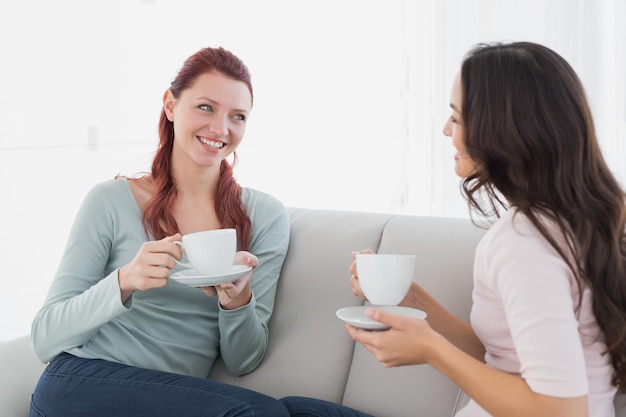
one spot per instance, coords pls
(524, 311)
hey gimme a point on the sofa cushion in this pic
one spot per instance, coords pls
(309, 346)
(444, 250)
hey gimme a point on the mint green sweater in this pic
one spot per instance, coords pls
(175, 328)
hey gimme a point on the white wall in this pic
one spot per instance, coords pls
(350, 98)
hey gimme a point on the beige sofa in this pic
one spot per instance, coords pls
(310, 353)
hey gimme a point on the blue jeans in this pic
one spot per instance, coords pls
(311, 407)
(71, 386)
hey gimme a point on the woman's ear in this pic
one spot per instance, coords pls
(168, 104)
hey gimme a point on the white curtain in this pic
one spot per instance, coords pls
(589, 34)
(350, 99)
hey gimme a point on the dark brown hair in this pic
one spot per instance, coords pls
(157, 216)
(529, 128)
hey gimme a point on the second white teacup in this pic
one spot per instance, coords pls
(210, 252)
(385, 278)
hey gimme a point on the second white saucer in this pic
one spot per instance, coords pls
(356, 317)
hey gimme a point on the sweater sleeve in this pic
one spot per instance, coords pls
(244, 333)
(82, 297)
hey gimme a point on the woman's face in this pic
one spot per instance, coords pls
(209, 118)
(464, 166)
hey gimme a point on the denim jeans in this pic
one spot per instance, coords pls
(311, 407)
(71, 386)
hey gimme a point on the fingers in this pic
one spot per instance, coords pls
(352, 268)
(233, 289)
(156, 270)
(354, 279)
(175, 237)
(237, 293)
(378, 343)
(210, 291)
(355, 253)
(367, 338)
(229, 290)
(166, 245)
(238, 289)
(381, 316)
(364, 251)
(160, 259)
(151, 266)
(356, 287)
(246, 258)
(156, 252)
(153, 277)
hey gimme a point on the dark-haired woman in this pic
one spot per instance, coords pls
(122, 338)
(548, 322)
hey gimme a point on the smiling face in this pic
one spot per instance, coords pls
(464, 165)
(209, 118)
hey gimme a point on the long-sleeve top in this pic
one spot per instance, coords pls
(176, 328)
(526, 313)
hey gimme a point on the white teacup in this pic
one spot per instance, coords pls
(211, 252)
(385, 278)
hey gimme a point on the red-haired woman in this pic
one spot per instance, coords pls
(121, 337)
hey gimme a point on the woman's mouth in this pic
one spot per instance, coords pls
(213, 144)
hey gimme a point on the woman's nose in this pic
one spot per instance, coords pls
(219, 127)
(447, 131)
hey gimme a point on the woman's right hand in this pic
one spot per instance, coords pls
(354, 279)
(151, 266)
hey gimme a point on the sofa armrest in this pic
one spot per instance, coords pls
(19, 375)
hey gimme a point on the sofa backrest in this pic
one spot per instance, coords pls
(310, 352)
(445, 256)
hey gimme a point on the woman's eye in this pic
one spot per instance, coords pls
(240, 117)
(205, 107)
(452, 119)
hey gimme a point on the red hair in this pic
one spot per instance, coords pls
(157, 216)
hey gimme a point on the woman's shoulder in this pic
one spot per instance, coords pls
(252, 197)
(263, 206)
(513, 222)
(269, 218)
(111, 186)
(112, 192)
(515, 230)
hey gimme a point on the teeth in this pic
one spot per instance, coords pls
(211, 143)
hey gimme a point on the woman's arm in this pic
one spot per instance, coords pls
(411, 342)
(244, 331)
(443, 321)
(83, 295)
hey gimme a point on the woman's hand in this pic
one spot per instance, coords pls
(151, 266)
(238, 293)
(354, 279)
(409, 341)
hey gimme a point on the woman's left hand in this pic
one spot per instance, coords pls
(238, 293)
(409, 341)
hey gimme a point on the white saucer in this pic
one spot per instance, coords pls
(190, 276)
(357, 318)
